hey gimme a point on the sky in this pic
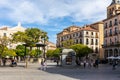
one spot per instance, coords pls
(52, 16)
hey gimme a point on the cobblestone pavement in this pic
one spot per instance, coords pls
(104, 72)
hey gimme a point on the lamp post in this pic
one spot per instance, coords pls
(44, 56)
(44, 37)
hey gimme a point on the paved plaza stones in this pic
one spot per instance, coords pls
(33, 72)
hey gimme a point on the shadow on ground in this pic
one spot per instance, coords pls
(79, 73)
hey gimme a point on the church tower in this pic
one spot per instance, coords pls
(113, 8)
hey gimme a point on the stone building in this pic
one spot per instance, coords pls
(112, 30)
(90, 35)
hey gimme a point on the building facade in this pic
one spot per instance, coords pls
(51, 46)
(112, 30)
(90, 35)
(8, 31)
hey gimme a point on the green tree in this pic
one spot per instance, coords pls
(81, 50)
(30, 37)
(19, 37)
(49, 53)
(20, 50)
(9, 52)
(68, 43)
(4, 41)
(56, 52)
(44, 37)
(35, 53)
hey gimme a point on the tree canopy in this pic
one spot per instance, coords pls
(4, 41)
(53, 53)
(35, 53)
(68, 43)
(30, 36)
(81, 50)
(20, 50)
(8, 52)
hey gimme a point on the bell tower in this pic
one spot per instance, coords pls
(113, 8)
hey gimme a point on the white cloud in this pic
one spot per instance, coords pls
(42, 11)
(45, 12)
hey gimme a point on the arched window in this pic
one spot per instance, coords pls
(96, 42)
(115, 23)
(110, 25)
(92, 42)
(110, 32)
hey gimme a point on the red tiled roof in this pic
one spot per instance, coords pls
(88, 28)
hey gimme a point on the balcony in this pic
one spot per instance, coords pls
(96, 43)
(96, 36)
(80, 36)
(105, 35)
(87, 35)
(92, 43)
(115, 33)
(110, 34)
(116, 23)
(113, 44)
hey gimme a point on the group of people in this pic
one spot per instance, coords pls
(11, 62)
(115, 63)
(90, 63)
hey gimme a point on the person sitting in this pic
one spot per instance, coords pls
(13, 63)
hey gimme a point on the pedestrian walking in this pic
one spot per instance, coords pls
(45, 65)
(84, 63)
(114, 65)
(42, 64)
(97, 63)
(4, 61)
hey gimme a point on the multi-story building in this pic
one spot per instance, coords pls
(112, 30)
(51, 46)
(90, 35)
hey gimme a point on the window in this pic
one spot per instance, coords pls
(92, 42)
(76, 41)
(96, 42)
(106, 33)
(96, 50)
(87, 41)
(105, 25)
(110, 41)
(91, 33)
(86, 32)
(4, 35)
(80, 34)
(110, 25)
(105, 42)
(81, 41)
(96, 35)
(110, 32)
(76, 34)
(68, 60)
(73, 35)
(115, 40)
(115, 23)
(115, 30)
